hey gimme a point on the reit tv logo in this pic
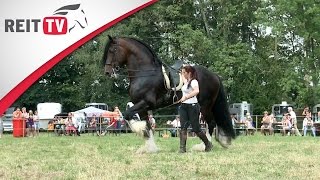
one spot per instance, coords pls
(63, 21)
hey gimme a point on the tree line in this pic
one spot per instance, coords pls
(266, 51)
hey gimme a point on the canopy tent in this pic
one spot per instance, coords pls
(90, 111)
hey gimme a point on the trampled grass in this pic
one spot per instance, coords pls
(114, 157)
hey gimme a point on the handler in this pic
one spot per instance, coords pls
(189, 109)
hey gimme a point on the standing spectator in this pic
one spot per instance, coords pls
(36, 123)
(305, 111)
(119, 118)
(294, 121)
(30, 124)
(117, 110)
(25, 116)
(175, 124)
(17, 113)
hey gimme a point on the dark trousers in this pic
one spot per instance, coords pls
(189, 114)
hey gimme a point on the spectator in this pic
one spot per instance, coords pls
(51, 125)
(265, 123)
(286, 124)
(294, 121)
(308, 124)
(119, 118)
(70, 126)
(117, 110)
(36, 123)
(249, 125)
(25, 116)
(17, 113)
(93, 124)
(234, 120)
(175, 124)
(113, 126)
(305, 111)
(30, 124)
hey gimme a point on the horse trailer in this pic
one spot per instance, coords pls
(279, 109)
(241, 109)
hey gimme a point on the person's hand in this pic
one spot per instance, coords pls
(182, 99)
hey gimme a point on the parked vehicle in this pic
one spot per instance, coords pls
(102, 106)
(46, 112)
(7, 119)
(241, 109)
(279, 109)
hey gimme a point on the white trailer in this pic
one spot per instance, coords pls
(46, 112)
(241, 109)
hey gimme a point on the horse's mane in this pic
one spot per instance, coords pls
(155, 57)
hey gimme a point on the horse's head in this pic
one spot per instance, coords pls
(114, 57)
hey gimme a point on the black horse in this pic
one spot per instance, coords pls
(148, 90)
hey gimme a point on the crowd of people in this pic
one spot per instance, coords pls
(31, 120)
(287, 126)
(95, 124)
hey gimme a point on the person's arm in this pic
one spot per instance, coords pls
(195, 91)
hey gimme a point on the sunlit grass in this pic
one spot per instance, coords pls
(114, 157)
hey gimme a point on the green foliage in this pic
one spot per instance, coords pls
(265, 51)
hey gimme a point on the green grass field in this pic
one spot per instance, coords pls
(114, 157)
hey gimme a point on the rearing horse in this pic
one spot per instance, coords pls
(148, 91)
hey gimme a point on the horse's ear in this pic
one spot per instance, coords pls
(110, 38)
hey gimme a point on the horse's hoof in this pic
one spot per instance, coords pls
(222, 139)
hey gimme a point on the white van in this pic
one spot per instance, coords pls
(46, 112)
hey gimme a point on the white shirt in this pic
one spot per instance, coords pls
(293, 115)
(186, 91)
(175, 123)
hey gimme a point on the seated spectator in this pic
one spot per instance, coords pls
(70, 126)
(249, 125)
(234, 120)
(286, 124)
(50, 125)
(92, 127)
(308, 125)
(265, 123)
(112, 126)
(175, 124)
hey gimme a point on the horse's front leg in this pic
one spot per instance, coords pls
(142, 128)
(139, 127)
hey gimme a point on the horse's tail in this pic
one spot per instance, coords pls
(221, 113)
